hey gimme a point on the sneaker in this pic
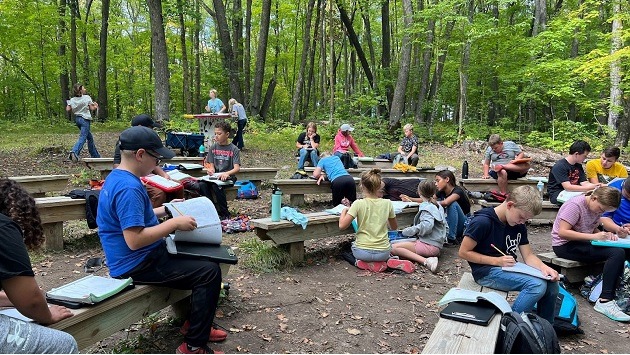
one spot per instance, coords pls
(451, 243)
(611, 310)
(216, 334)
(431, 263)
(404, 265)
(184, 349)
(374, 266)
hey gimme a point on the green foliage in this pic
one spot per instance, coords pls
(564, 133)
(262, 257)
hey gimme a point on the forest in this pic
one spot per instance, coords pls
(536, 68)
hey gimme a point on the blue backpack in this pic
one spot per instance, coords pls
(246, 189)
(566, 320)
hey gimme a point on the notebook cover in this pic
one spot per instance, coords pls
(214, 252)
(479, 313)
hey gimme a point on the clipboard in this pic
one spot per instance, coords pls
(213, 252)
(480, 312)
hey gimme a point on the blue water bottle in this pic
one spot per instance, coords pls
(202, 150)
(276, 204)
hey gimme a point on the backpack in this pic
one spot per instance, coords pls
(494, 196)
(299, 174)
(566, 320)
(347, 161)
(246, 189)
(91, 203)
(592, 289)
(526, 333)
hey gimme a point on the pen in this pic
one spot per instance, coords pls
(497, 249)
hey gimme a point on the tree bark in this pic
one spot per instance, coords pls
(237, 44)
(261, 56)
(86, 54)
(540, 17)
(186, 102)
(623, 132)
(615, 67)
(74, 13)
(398, 103)
(102, 65)
(227, 54)
(425, 75)
(196, 50)
(247, 53)
(162, 88)
(306, 42)
(311, 68)
(463, 73)
(63, 74)
(494, 81)
(437, 75)
(386, 57)
(354, 40)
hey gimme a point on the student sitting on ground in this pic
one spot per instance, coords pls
(307, 144)
(429, 227)
(21, 227)
(394, 189)
(408, 148)
(157, 196)
(567, 173)
(371, 249)
(572, 232)
(490, 243)
(341, 183)
(498, 162)
(605, 169)
(133, 239)
(456, 203)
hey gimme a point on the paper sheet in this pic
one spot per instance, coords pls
(208, 224)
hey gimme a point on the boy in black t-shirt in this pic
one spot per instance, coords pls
(568, 174)
(490, 243)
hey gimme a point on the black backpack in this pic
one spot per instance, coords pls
(526, 333)
(91, 203)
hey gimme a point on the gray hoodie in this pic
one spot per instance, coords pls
(429, 225)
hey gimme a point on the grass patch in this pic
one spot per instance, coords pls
(262, 257)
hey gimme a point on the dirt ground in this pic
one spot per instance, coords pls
(324, 305)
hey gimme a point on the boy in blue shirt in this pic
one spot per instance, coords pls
(133, 239)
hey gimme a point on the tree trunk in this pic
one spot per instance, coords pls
(615, 68)
(425, 75)
(463, 74)
(494, 81)
(102, 65)
(386, 44)
(162, 88)
(74, 13)
(237, 45)
(227, 54)
(64, 84)
(268, 96)
(186, 102)
(311, 68)
(437, 76)
(540, 17)
(261, 57)
(196, 49)
(247, 53)
(86, 54)
(623, 132)
(354, 40)
(306, 42)
(398, 103)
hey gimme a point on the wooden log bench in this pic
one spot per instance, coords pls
(390, 173)
(479, 184)
(297, 188)
(573, 271)
(320, 225)
(53, 212)
(39, 185)
(546, 216)
(94, 323)
(376, 163)
(453, 337)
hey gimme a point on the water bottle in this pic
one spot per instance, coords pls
(202, 150)
(465, 170)
(540, 185)
(276, 205)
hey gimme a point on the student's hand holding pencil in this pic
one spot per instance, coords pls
(185, 223)
(504, 260)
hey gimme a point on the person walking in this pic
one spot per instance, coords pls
(237, 110)
(80, 105)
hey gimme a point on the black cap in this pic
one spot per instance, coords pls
(140, 137)
(145, 121)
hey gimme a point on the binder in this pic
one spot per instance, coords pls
(480, 312)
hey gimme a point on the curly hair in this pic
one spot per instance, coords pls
(18, 205)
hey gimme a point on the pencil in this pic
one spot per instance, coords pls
(497, 249)
(181, 214)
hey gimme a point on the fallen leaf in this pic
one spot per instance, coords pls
(323, 314)
(353, 331)
(236, 330)
(265, 337)
(356, 317)
(76, 272)
(283, 327)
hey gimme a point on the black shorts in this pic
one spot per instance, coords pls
(511, 175)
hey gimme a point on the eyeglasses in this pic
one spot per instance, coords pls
(158, 159)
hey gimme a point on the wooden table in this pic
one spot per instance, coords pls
(208, 121)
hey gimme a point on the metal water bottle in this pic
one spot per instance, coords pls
(202, 150)
(540, 186)
(276, 205)
(465, 170)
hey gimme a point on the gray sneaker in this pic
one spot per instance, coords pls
(611, 310)
(431, 263)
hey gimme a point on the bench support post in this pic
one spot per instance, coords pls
(54, 235)
(297, 200)
(295, 250)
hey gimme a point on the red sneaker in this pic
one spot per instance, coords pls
(216, 334)
(404, 265)
(184, 349)
(374, 266)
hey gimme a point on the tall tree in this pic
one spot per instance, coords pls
(354, 40)
(63, 73)
(398, 102)
(160, 61)
(247, 53)
(615, 67)
(386, 47)
(463, 71)
(84, 42)
(186, 102)
(261, 56)
(306, 42)
(227, 54)
(425, 73)
(103, 104)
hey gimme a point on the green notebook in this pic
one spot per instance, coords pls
(89, 290)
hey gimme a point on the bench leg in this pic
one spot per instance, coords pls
(54, 235)
(181, 308)
(295, 250)
(297, 200)
(38, 194)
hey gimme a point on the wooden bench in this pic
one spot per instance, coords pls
(453, 337)
(573, 271)
(390, 173)
(377, 163)
(39, 185)
(546, 216)
(479, 184)
(320, 225)
(53, 212)
(94, 323)
(297, 188)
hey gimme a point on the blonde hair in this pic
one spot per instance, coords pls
(494, 139)
(607, 196)
(371, 180)
(215, 92)
(231, 103)
(311, 125)
(408, 126)
(526, 198)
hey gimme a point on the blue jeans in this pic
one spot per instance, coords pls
(369, 255)
(85, 134)
(531, 289)
(238, 138)
(312, 154)
(456, 220)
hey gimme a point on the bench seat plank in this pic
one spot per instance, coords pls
(297, 188)
(479, 184)
(390, 173)
(453, 337)
(39, 185)
(573, 271)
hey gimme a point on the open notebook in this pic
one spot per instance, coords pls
(89, 290)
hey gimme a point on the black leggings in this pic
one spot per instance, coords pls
(587, 253)
(343, 186)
